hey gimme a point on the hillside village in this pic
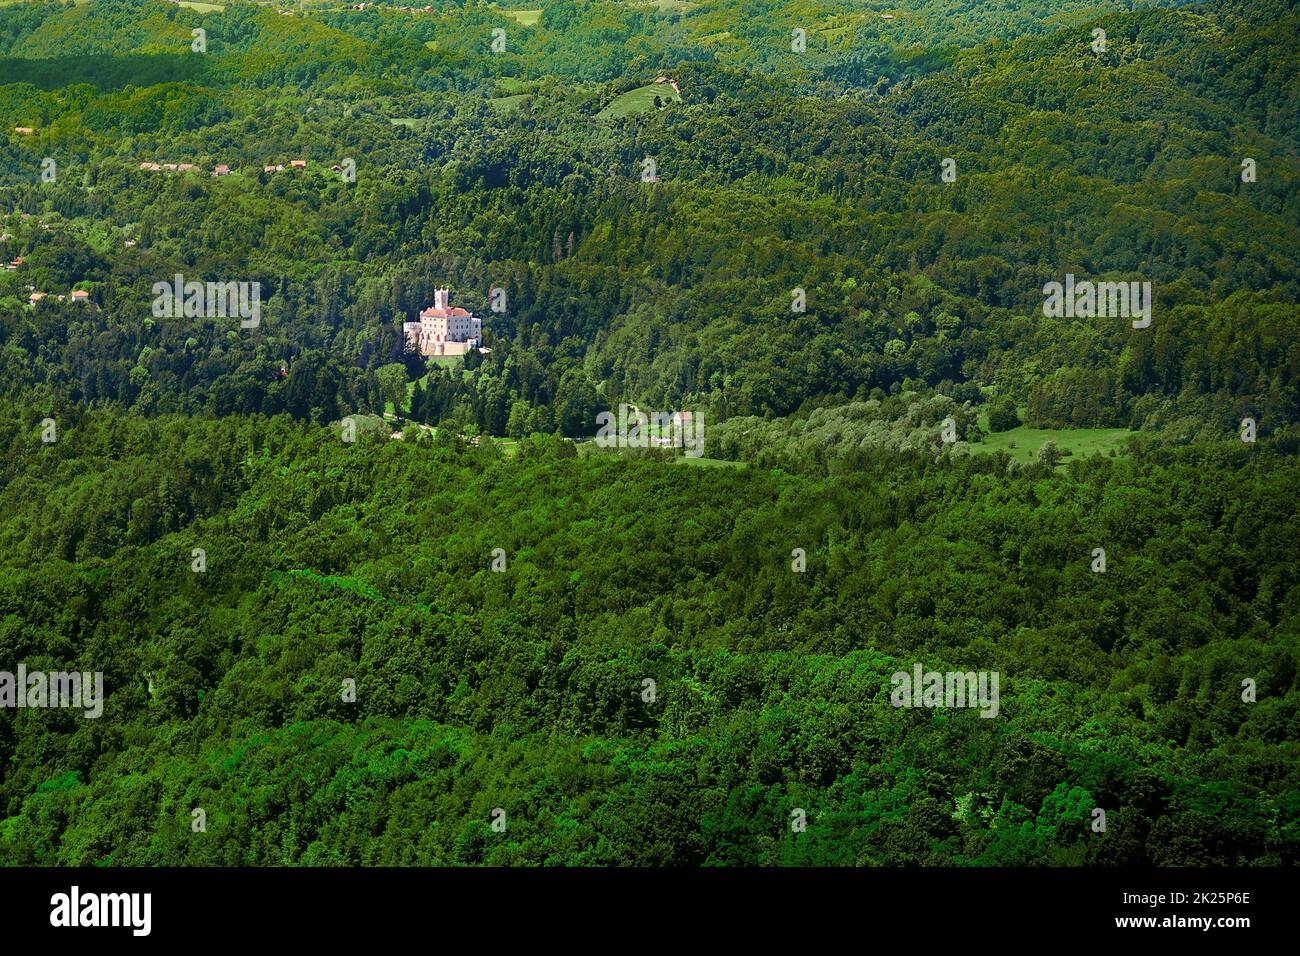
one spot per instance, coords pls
(219, 170)
(224, 169)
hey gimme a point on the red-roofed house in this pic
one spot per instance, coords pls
(79, 295)
(443, 330)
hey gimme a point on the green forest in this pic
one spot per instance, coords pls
(358, 605)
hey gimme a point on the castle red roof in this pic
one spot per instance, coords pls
(443, 313)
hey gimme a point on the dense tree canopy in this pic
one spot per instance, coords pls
(425, 594)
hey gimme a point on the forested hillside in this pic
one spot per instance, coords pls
(523, 689)
(831, 245)
(772, 177)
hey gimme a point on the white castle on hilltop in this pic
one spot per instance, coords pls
(442, 330)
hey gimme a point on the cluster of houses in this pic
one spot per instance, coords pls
(222, 169)
(170, 167)
(77, 295)
(365, 6)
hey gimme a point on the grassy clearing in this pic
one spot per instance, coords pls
(508, 104)
(202, 7)
(410, 122)
(525, 18)
(1023, 443)
(441, 361)
(670, 6)
(640, 100)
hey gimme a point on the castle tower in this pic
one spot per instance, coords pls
(440, 298)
